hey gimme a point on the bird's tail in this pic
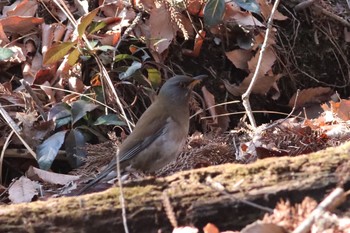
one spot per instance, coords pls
(111, 167)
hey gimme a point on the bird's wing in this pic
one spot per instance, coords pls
(146, 131)
(141, 146)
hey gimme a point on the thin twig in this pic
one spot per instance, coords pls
(220, 188)
(121, 195)
(335, 198)
(245, 96)
(16, 129)
(6, 143)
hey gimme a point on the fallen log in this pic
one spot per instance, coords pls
(194, 200)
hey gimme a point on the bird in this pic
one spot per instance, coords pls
(160, 133)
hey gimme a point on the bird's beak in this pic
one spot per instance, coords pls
(196, 80)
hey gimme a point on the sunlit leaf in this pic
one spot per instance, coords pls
(249, 5)
(154, 77)
(5, 54)
(213, 12)
(57, 52)
(73, 57)
(48, 150)
(80, 108)
(121, 57)
(110, 119)
(85, 21)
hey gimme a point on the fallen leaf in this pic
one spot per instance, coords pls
(20, 24)
(161, 28)
(23, 190)
(239, 57)
(266, 8)
(37, 174)
(309, 96)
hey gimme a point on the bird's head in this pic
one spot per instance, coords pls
(179, 87)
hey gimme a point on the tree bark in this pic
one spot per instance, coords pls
(193, 199)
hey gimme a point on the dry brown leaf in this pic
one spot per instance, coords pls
(21, 8)
(3, 37)
(195, 7)
(23, 190)
(221, 122)
(262, 86)
(259, 227)
(310, 96)
(37, 174)
(110, 38)
(161, 28)
(264, 82)
(233, 12)
(240, 58)
(266, 8)
(20, 24)
(269, 59)
(259, 39)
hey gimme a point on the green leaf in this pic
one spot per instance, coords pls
(85, 21)
(121, 57)
(110, 119)
(154, 77)
(74, 144)
(60, 114)
(249, 5)
(101, 137)
(5, 53)
(213, 12)
(131, 70)
(48, 150)
(80, 108)
(95, 26)
(73, 57)
(57, 52)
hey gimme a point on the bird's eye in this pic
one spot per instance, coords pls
(182, 84)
